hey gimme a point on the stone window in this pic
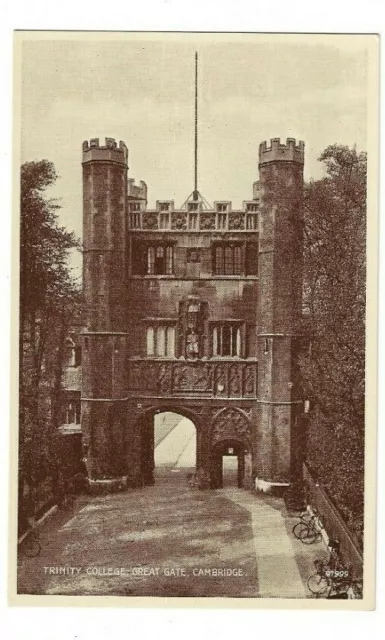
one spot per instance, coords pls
(193, 220)
(72, 411)
(160, 340)
(226, 339)
(164, 220)
(228, 259)
(251, 221)
(160, 260)
(134, 206)
(70, 357)
(135, 220)
(151, 260)
(252, 206)
(221, 221)
(78, 356)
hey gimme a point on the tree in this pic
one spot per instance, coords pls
(333, 369)
(49, 296)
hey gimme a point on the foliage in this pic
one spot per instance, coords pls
(49, 298)
(333, 369)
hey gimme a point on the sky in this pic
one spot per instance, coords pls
(141, 90)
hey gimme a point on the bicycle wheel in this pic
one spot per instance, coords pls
(305, 533)
(318, 584)
(299, 528)
(310, 535)
(31, 547)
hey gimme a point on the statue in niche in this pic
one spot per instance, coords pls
(192, 315)
(192, 344)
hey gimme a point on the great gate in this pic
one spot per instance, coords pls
(195, 310)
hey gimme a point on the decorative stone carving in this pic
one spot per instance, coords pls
(207, 220)
(143, 376)
(230, 424)
(250, 381)
(179, 220)
(149, 220)
(223, 379)
(165, 378)
(235, 380)
(192, 378)
(220, 380)
(236, 221)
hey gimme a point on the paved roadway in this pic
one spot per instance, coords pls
(171, 540)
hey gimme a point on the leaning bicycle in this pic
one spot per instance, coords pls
(332, 579)
(309, 528)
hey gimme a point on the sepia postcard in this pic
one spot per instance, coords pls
(195, 320)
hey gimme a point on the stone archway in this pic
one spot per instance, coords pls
(145, 427)
(231, 432)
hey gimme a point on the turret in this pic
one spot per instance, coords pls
(104, 283)
(279, 304)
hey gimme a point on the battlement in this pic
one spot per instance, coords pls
(93, 151)
(138, 192)
(278, 152)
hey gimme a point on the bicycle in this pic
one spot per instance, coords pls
(309, 529)
(31, 545)
(332, 579)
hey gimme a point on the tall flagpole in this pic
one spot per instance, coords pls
(195, 197)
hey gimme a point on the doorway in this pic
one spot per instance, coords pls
(228, 465)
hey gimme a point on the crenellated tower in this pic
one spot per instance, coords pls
(105, 328)
(279, 307)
